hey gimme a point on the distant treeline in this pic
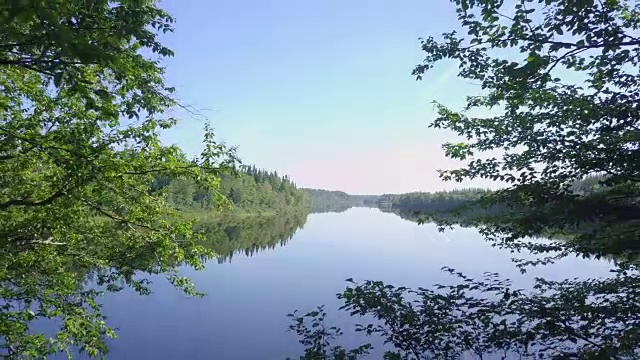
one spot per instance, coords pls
(337, 201)
(461, 207)
(446, 201)
(458, 208)
(249, 189)
(441, 201)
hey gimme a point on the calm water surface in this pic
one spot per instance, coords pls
(243, 316)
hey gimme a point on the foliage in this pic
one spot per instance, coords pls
(82, 99)
(553, 131)
(488, 318)
(247, 189)
(464, 200)
(465, 207)
(317, 337)
(337, 201)
(441, 201)
(254, 189)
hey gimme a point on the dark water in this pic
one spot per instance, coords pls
(249, 294)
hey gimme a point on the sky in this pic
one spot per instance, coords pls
(319, 90)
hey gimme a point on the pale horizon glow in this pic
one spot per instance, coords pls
(320, 91)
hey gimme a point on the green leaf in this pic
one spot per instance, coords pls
(78, 199)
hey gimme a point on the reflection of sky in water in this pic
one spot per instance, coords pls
(243, 316)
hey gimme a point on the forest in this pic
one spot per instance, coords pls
(337, 201)
(441, 201)
(468, 202)
(248, 189)
(474, 207)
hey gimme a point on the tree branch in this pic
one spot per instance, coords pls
(115, 217)
(157, 170)
(29, 202)
(560, 43)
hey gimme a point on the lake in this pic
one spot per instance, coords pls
(249, 294)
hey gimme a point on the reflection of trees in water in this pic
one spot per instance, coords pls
(82, 280)
(330, 209)
(435, 217)
(489, 317)
(249, 235)
(580, 237)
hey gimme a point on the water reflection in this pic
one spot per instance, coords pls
(250, 290)
(249, 234)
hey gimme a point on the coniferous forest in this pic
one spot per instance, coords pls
(337, 201)
(247, 189)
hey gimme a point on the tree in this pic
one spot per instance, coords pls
(82, 98)
(553, 132)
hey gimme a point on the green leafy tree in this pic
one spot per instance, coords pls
(553, 132)
(240, 187)
(82, 99)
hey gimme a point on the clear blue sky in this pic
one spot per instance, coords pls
(320, 90)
